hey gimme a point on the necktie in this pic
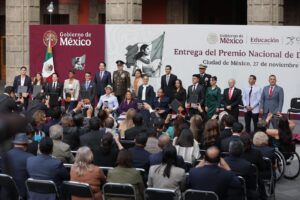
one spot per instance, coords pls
(86, 85)
(230, 93)
(271, 91)
(101, 73)
(194, 87)
(54, 86)
(167, 79)
(250, 95)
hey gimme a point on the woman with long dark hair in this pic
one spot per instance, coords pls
(167, 175)
(180, 93)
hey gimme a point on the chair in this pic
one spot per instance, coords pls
(74, 153)
(118, 190)
(127, 143)
(255, 175)
(243, 182)
(294, 106)
(78, 189)
(105, 170)
(199, 195)
(8, 183)
(157, 193)
(68, 166)
(41, 186)
(268, 178)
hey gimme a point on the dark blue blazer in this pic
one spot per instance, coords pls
(27, 82)
(156, 159)
(150, 94)
(163, 104)
(102, 83)
(140, 157)
(213, 178)
(45, 167)
(14, 164)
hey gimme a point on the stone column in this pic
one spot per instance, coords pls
(177, 12)
(19, 15)
(265, 12)
(70, 8)
(123, 11)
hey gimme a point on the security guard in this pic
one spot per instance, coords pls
(121, 81)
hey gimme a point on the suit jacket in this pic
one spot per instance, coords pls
(205, 80)
(132, 132)
(57, 90)
(254, 156)
(27, 82)
(45, 167)
(235, 100)
(62, 151)
(121, 83)
(170, 87)
(14, 164)
(272, 103)
(102, 83)
(140, 157)
(180, 96)
(92, 139)
(124, 106)
(213, 178)
(89, 93)
(196, 96)
(8, 104)
(150, 94)
(163, 104)
(156, 159)
(227, 132)
(225, 142)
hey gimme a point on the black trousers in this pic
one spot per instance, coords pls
(248, 116)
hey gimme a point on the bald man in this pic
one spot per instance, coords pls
(232, 98)
(213, 174)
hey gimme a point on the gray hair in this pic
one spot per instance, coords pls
(260, 139)
(236, 148)
(56, 132)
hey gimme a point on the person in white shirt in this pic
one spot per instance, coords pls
(146, 92)
(251, 98)
(108, 101)
(71, 91)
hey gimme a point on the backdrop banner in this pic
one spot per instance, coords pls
(74, 47)
(228, 51)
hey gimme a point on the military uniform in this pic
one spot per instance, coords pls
(121, 83)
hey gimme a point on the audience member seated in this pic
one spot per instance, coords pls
(161, 103)
(237, 129)
(138, 127)
(109, 126)
(156, 159)
(125, 173)
(159, 125)
(81, 124)
(140, 156)
(84, 171)
(167, 175)
(187, 146)
(240, 166)
(152, 142)
(127, 123)
(32, 146)
(106, 154)
(213, 174)
(39, 120)
(211, 134)
(45, 167)
(61, 150)
(197, 127)
(228, 121)
(14, 164)
(71, 134)
(92, 139)
(128, 103)
(261, 143)
(55, 114)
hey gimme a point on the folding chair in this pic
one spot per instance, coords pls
(7, 183)
(255, 175)
(105, 170)
(199, 195)
(78, 189)
(68, 166)
(42, 187)
(157, 193)
(120, 190)
(243, 182)
(294, 106)
(268, 178)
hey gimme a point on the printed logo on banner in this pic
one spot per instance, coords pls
(212, 38)
(146, 56)
(231, 39)
(291, 40)
(79, 62)
(50, 35)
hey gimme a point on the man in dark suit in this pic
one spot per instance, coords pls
(8, 104)
(88, 89)
(23, 80)
(195, 96)
(140, 156)
(237, 129)
(168, 82)
(204, 78)
(138, 127)
(228, 121)
(231, 100)
(146, 92)
(272, 98)
(14, 164)
(54, 89)
(213, 175)
(92, 139)
(102, 79)
(45, 167)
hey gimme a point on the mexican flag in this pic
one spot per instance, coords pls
(48, 66)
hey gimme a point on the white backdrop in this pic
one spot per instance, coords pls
(229, 51)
